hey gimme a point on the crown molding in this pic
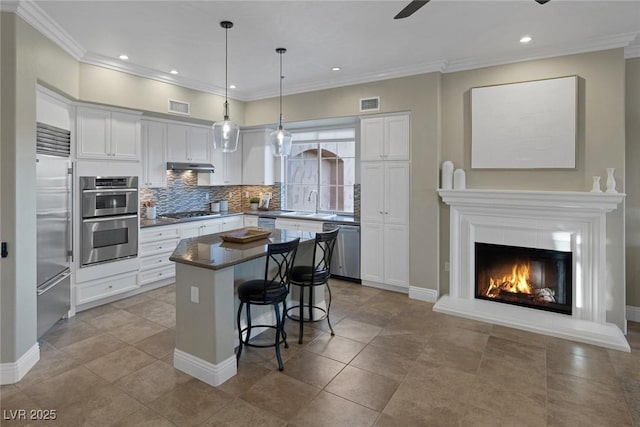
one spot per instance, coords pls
(149, 73)
(9, 6)
(412, 70)
(592, 45)
(38, 19)
(632, 51)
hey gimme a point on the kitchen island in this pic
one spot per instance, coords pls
(208, 270)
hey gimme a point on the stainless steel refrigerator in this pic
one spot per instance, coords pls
(53, 210)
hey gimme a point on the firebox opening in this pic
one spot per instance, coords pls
(529, 277)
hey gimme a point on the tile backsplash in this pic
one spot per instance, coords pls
(183, 194)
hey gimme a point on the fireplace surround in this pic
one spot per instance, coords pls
(572, 222)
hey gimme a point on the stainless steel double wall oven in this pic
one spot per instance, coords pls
(109, 218)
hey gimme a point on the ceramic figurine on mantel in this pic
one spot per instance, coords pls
(459, 180)
(596, 185)
(447, 175)
(611, 181)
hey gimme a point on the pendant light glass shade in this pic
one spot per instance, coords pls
(280, 139)
(226, 132)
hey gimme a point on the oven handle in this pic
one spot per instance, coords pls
(112, 190)
(109, 218)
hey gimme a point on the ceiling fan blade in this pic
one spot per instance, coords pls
(410, 9)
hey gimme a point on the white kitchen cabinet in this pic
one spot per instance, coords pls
(107, 134)
(228, 169)
(232, 223)
(95, 290)
(156, 246)
(189, 143)
(257, 158)
(385, 138)
(372, 251)
(154, 154)
(384, 214)
(250, 221)
(299, 225)
(396, 255)
(200, 228)
(384, 192)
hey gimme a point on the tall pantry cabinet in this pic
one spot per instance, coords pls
(384, 200)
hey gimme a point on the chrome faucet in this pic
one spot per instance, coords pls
(317, 198)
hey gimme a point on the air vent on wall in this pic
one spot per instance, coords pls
(179, 107)
(370, 104)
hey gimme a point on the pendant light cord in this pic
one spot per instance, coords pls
(226, 72)
(281, 77)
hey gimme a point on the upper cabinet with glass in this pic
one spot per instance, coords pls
(385, 138)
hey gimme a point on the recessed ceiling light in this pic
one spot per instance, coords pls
(232, 86)
(174, 71)
(123, 57)
(335, 69)
(525, 39)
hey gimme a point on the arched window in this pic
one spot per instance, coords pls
(320, 172)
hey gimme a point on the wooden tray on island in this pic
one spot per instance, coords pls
(247, 234)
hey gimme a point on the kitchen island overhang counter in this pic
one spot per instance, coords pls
(208, 270)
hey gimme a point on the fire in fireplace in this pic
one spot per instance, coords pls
(530, 277)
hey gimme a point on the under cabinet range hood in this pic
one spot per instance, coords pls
(196, 167)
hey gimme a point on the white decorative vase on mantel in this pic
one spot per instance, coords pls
(611, 181)
(596, 185)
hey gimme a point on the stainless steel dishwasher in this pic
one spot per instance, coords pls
(345, 263)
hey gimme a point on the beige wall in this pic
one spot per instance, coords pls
(633, 178)
(417, 94)
(600, 142)
(104, 86)
(27, 58)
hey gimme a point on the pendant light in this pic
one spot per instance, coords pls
(226, 132)
(280, 139)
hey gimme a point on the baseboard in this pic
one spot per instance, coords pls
(384, 286)
(13, 372)
(423, 294)
(633, 313)
(212, 374)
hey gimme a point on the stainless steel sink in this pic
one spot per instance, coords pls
(308, 215)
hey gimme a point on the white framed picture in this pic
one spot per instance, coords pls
(528, 125)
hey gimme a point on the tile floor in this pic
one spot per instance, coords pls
(393, 362)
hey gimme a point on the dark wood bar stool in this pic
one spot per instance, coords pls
(311, 276)
(272, 290)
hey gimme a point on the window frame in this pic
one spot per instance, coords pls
(317, 186)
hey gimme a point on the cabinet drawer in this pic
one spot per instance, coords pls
(155, 248)
(159, 233)
(289, 224)
(156, 274)
(155, 261)
(95, 290)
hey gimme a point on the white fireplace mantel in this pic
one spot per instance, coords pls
(561, 220)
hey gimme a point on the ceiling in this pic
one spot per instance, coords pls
(361, 37)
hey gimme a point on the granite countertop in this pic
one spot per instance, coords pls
(211, 252)
(144, 223)
(344, 219)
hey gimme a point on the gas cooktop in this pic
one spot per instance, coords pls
(186, 216)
